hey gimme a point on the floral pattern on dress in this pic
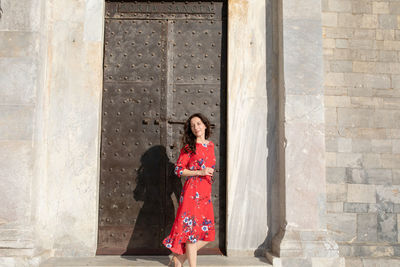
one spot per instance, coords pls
(194, 220)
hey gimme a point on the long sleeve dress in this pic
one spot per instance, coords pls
(195, 215)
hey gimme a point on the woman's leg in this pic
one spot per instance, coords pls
(191, 252)
(183, 257)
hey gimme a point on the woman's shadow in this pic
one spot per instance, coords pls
(159, 189)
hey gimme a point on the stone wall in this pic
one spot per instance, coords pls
(361, 41)
(19, 82)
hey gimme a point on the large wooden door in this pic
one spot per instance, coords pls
(163, 61)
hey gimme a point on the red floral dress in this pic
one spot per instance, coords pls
(195, 216)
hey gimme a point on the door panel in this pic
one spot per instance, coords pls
(162, 62)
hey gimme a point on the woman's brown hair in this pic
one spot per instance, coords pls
(188, 138)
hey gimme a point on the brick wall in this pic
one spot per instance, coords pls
(361, 41)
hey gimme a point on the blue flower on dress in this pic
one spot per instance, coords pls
(192, 238)
(197, 195)
(168, 245)
(204, 228)
(190, 222)
(205, 145)
(203, 166)
(186, 219)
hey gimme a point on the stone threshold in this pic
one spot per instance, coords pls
(150, 261)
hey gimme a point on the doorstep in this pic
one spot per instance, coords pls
(153, 261)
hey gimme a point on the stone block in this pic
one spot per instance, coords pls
(336, 207)
(391, 45)
(387, 21)
(361, 193)
(379, 176)
(353, 262)
(329, 19)
(330, 159)
(341, 54)
(391, 103)
(18, 120)
(384, 34)
(387, 227)
(338, 33)
(367, 34)
(328, 262)
(342, 226)
(22, 15)
(337, 101)
(363, 54)
(394, 133)
(361, 145)
(328, 43)
(335, 175)
(394, 8)
(369, 21)
(383, 118)
(334, 79)
(390, 160)
(18, 44)
(380, 7)
(396, 176)
(367, 227)
(356, 176)
(18, 76)
(396, 209)
(388, 56)
(388, 193)
(396, 81)
(381, 146)
(376, 81)
(355, 207)
(361, 7)
(381, 206)
(364, 67)
(335, 90)
(365, 102)
(344, 144)
(398, 230)
(349, 20)
(16, 173)
(336, 192)
(353, 160)
(341, 65)
(330, 143)
(342, 43)
(339, 5)
(355, 117)
(330, 116)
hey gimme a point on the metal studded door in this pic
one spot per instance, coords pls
(162, 62)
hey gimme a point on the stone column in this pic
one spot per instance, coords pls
(247, 127)
(303, 238)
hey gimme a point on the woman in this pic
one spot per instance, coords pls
(193, 227)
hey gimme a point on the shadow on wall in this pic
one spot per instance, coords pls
(156, 213)
(272, 75)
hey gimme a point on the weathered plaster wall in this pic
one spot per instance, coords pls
(19, 82)
(247, 127)
(361, 42)
(67, 185)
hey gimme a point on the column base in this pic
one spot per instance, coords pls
(304, 243)
(305, 262)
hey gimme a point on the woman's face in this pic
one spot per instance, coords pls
(198, 127)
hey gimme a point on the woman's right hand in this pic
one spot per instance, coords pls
(207, 172)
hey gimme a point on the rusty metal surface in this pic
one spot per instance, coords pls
(158, 69)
